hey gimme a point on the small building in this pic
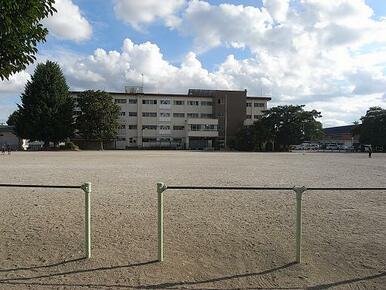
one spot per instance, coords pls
(340, 135)
(8, 137)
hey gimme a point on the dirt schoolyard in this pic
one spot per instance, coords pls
(213, 239)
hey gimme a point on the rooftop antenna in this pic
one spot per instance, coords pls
(142, 81)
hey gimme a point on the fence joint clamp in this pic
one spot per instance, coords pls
(161, 187)
(299, 190)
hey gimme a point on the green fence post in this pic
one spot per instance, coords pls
(299, 192)
(161, 187)
(87, 218)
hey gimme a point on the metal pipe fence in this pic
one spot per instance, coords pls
(161, 188)
(86, 187)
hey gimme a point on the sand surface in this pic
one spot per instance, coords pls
(213, 239)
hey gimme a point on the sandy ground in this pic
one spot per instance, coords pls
(213, 239)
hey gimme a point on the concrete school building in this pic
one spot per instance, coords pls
(200, 119)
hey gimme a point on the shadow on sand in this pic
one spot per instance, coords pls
(166, 285)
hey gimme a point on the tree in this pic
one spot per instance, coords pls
(281, 126)
(46, 112)
(13, 118)
(20, 31)
(372, 129)
(292, 125)
(98, 118)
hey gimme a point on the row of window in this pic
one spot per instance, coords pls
(165, 102)
(254, 117)
(167, 115)
(256, 105)
(202, 127)
(193, 127)
(154, 127)
(176, 140)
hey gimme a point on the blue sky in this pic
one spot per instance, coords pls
(325, 54)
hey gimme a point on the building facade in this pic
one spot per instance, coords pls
(201, 119)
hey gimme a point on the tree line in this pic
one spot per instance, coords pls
(278, 128)
(282, 126)
(49, 114)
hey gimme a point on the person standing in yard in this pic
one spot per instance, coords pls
(9, 149)
(3, 149)
(370, 151)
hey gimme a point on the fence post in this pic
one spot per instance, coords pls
(299, 192)
(87, 218)
(161, 187)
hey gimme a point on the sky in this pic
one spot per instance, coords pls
(329, 55)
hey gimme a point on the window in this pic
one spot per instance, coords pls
(177, 140)
(120, 101)
(165, 115)
(220, 101)
(249, 104)
(206, 103)
(122, 126)
(122, 113)
(178, 128)
(259, 105)
(132, 127)
(164, 102)
(164, 127)
(132, 114)
(193, 115)
(121, 138)
(149, 102)
(209, 127)
(132, 101)
(179, 103)
(149, 127)
(249, 116)
(206, 116)
(149, 114)
(149, 140)
(164, 140)
(220, 114)
(195, 127)
(199, 127)
(193, 103)
(179, 115)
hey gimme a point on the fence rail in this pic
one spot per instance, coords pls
(299, 190)
(86, 187)
(41, 186)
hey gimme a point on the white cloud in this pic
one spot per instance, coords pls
(68, 22)
(326, 54)
(15, 84)
(138, 13)
(277, 8)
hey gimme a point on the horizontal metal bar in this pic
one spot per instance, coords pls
(41, 186)
(229, 187)
(173, 187)
(346, 188)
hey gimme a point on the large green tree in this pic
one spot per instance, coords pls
(98, 117)
(280, 126)
(20, 31)
(46, 111)
(13, 118)
(372, 129)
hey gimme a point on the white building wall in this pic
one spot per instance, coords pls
(171, 112)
